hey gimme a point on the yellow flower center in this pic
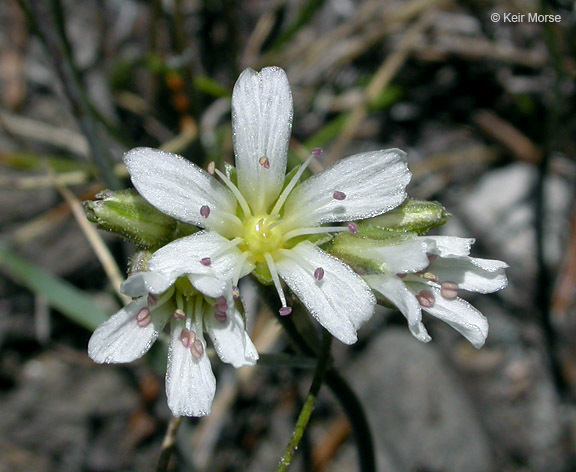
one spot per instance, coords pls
(262, 234)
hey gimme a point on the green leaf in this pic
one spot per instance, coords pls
(61, 295)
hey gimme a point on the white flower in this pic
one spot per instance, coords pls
(168, 292)
(261, 221)
(428, 273)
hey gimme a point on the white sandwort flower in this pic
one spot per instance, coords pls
(169, 292)
(427, 273)
(264, 221)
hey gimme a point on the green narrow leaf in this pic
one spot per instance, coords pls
(61, 295)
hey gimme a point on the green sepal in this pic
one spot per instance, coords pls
(413, 216)
(262, 273)
(127, 214)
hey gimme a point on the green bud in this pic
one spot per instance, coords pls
(127, 214)
(413, 216)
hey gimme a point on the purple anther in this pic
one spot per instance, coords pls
(220, 315)
(264, 162)
(285, 311)
(186, 338)
(426, 299)
(338, 195)
(401, 276)
(235, 293)
(205, 211)
(353, 228)
(197, 349)
(206, 261)
(317, 152)
(179, 314)
(449, 290)
(143, 317)
(319, 273)
(222, 303)
(152, 299)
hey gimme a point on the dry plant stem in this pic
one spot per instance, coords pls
(308, 408)
(108, 263)
(168, 443)
(379, 82)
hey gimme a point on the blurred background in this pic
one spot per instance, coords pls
(485, 110)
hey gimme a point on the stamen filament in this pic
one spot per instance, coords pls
(230, 244)
(286, 192)
(314, 230)
(236, 192)
(239, 268)
(275, 278)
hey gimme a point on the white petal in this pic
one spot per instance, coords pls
(475, 275)
(190, 383)
(402, 258)
(261, 120)
(120, 339)
(373, 182)
(341, 301)
(459, 314)
(396, 291)
(231, 340)
(176, 186)
(183, 256)
(142, 283)
(449, 246)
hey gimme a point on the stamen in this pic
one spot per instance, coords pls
(449, 290)
(353, 228)
(319, 273)
(222, 303)
(186, 338)
(275, 278)
(152, 299)
(206, 261)
(264, 162)
(235, 293)
(211, 167)
(220, 315)
(317, 152)
(401, 276)
(143, 317)
(338, 195)
(239, 197)
(314, 230)
(426, 299)
(430, 276)
(286, 192)
(226, 246)
(205, 211)
(197, 349)
(285, 311)
(179, 314)
(431, 257)
(239, 268)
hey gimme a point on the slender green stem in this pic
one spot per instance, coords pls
(306, 412)
(168, 444)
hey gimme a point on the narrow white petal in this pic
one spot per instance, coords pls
(402, 258)
(449, 246)
(474, 275)
(142, 283)
(184, 256)
(262, 121)
(372, 182)
(190, 383)
(341, 301)
(459, 314)
(396, 291)
(120, 339)
(176, 186)
(231, 340)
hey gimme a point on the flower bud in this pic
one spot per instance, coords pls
(127, 214)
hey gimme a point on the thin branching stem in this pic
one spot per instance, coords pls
(308, 407)
(168, 443)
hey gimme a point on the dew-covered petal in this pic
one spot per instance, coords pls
(341, 301)
(459, 314)
(190, 382)
(472, 274)
(372, 183)
(396, 292)
(449, 246)
(121, 338)
(176, 186)
(401, 258)
(261, 121)
(142, 283)
(230, 339)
